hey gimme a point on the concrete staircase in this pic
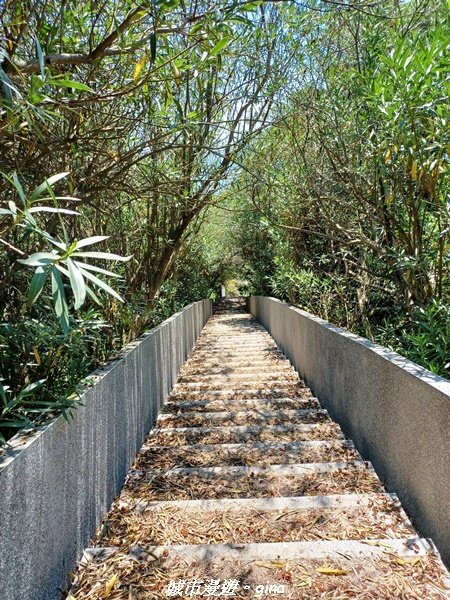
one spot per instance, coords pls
(247, 489)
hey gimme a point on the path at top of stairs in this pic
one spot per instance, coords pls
(246, 489)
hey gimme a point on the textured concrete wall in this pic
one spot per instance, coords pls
(57, 483)
(397, 413)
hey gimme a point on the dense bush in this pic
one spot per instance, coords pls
(424, 339)
(317, 173)
(347, 195)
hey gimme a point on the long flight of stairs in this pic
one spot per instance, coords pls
(247, 489)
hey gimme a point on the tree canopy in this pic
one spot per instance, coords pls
(299, 149)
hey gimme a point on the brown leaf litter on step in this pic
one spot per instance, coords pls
(146, 525)
(247, 484)
(216, 435)
(240, 454)
(140, 576)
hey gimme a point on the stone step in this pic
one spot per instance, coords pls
(255, 379)
(221, 386)
(286, 390)
(240, 347)
(265, 366)
(284, 504)
(244, 434)
(358, 466)
(229, 359)
(312, 479)
(249, 353)
(268, 364)
(233, 327)
(412, 547)
(251, 335)
(246, 339)
(259, 520)
(279, 417)
(255, 453)
(220, 404)
(237, 347)
(382, 569)
(232, 373)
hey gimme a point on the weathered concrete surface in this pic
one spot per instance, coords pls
(397, 413)
(56, 485)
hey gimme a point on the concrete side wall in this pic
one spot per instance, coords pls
(397, 413)
(56, 485)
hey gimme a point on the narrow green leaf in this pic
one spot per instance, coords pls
(93, 296)
(3, 395)
(62, 270)
(40, 57)
(16, 423)
(57, 243)
(36, 285)
(30, 389)
(220, 46)
(59, 300)
(19, 188)
(30, 220)
(169, 4)
(7, 87)
(251, 6)
(179, 109)
(83, 266)
(50, 209)
(139, 14)
(77, 284)
(91, 240)
(102, 285)
(242, 19)
(39, 259)
(61, 222)
(48, 182)
(104, 255)
(57, 198)
(68, 83)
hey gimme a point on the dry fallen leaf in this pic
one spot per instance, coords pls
(403, 562)
(110, 586)
(271, 565)
(226, 522)
(279, 564)
(331, 571)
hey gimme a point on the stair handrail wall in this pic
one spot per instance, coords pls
(396, 412)
(57, 483)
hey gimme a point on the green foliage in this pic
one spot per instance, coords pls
(346, 196)
(62, 257)
(425, 339)
(41, 367)
(317, 172)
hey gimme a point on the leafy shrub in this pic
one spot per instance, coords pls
(43, 359)
(425, 339)
(41, 366)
